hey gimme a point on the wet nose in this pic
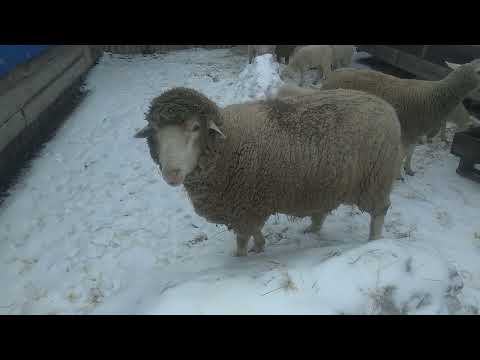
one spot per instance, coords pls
(173, 177)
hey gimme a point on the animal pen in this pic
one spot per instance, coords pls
(89, 225)
(39, 86)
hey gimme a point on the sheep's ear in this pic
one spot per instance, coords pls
(214, 127)
(145, 132)
(452, 66)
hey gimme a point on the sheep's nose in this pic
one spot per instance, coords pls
(173, 177)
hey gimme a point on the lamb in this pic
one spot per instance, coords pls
(342, 56)
(422, 106)
(317, 56)
(257, 50)
(299, 156)
(284, 51)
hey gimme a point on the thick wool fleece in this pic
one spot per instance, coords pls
(422, 106)
(298, 156)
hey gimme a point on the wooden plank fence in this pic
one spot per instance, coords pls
(138, 49)
(35, 98)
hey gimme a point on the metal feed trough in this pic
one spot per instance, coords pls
(466, 145)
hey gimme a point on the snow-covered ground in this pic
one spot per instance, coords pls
(91, 227)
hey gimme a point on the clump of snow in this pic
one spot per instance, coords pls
(258, 80)
(91, 227)
(384, 277)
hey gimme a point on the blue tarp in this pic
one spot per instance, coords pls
(13, 55)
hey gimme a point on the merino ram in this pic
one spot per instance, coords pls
(299, 156)
(422, 106)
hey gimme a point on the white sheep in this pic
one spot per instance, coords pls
(300, 156)
(311, 56)
(422, 106)
(342, 56)
(257, 50)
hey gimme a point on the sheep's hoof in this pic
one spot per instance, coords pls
(311, 229)
(257, 249)
(401, 178)
(240, 253)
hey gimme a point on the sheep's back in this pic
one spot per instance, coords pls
(409, 97)
(298, 155)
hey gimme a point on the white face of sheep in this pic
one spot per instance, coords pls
(177, 148)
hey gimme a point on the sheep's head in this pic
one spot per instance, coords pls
(180, 124)
(470, 71)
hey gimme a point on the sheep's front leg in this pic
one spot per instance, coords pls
(259, 242)
(376, 224)
(319, 75)
(242, 242)
(443, 132)
(376, 227)
(301, 77)
(327, 72)
(317, 223)
(408, 160)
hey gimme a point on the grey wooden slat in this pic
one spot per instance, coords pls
(41, 101)
(14, 99)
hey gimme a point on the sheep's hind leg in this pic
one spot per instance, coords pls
(259, 242)
(301, 78)
(376, 224)
(317, 222)
(320, 73)
(242, 243)
(443, 132)
(408, 160)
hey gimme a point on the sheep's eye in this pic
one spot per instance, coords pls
(195, 127)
